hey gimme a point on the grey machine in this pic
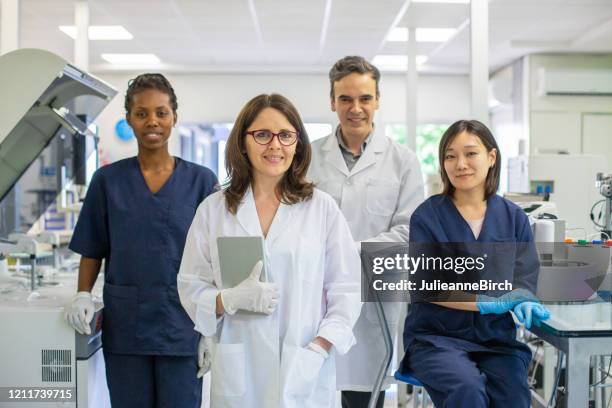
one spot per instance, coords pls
(604, 185)
(47, 110)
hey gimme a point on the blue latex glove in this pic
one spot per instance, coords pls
(527, 312)
(504, 303)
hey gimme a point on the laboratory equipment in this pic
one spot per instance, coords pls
(54, 239)
(48, 114)
(566, 179)
(581, 331)
(540, 209)
(29, 249)
(546, 226)
(39, 350)
(44, 128)
(604, 185)
(568, 272)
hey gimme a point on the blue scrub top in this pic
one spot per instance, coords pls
(141, 236)
(437, 220)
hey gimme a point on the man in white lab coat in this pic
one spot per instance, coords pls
(377, 184)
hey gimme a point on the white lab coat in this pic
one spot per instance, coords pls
(377, 198)
(259, 360)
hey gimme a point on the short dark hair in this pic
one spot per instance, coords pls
(150, 81)
(293, 187)
(479, 130)
(352, 64)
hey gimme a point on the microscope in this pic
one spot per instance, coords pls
(603, 183)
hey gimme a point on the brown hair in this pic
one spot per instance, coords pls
(352, 64)
(293, 187)
(149, 81)
(479, 130)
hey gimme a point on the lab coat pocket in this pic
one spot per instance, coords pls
(381, 198)
(228, 370)
(303, 374)
(119, 322)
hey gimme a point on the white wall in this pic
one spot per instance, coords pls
(576, 124)
(506, 90)
(564, 122)
(219, 98)
(580, 125)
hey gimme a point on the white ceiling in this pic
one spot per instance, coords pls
(296, 36)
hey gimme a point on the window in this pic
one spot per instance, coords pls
(427, 140)
(204, 143)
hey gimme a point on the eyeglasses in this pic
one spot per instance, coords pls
(265, 136)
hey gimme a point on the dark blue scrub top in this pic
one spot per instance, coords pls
(141, 235)
(437, 220)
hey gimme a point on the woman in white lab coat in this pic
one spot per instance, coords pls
(282, 356)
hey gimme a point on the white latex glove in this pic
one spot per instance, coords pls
(204, 355)
(80, 312)
(251, 294)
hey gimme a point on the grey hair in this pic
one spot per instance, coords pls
(352, 64)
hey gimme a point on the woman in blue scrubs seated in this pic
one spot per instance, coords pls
(465, 353)
(136, 216)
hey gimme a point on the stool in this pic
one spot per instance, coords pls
(419, 395)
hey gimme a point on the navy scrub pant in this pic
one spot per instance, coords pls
(458, 379)
(153, 381)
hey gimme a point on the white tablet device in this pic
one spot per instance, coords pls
(237, 256)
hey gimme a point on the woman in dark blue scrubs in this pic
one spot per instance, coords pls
(465, 352)
(136, 216)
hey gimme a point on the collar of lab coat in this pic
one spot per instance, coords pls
(333, 155)
(249, 220)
